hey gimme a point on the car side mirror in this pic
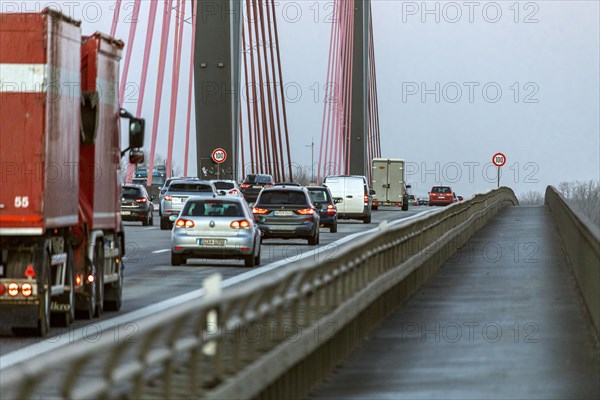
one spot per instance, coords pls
(372, 192)
(222, 193)
(428, 193)
(408, 186)
(337, 200)
(251, 205)
(136, 132)
(153, 197)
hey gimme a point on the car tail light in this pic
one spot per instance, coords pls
(142, 200)
(245, 186)
(256, 210)
(26, 289)
(240, 224)
(168, 198)
(366, 199)
(306, 211)
(13, 289)
(233, 191)
(77, 280)
(184, 223)
(2, 289)
(30, 272)
(330, 209)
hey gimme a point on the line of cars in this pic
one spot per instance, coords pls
(221, 219)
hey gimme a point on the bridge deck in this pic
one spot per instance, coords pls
(502, 319)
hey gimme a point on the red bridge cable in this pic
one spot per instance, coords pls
(179, 18)
(281, 156)
(281, 88)
(248, 112)
(159, 82)
(115, 21)
(194, 7)
(132, 28)
(257, 128)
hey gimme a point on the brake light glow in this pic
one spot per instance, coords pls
(2, 289)
(29, 271)
(245, 186)
(240, 224)
(233, 191)
(366, 198)
(142, 200)
(330, 209)
(26, 289)
(184, 223)
(78, 280)
(13, 289)
(306, 211)
(168, 198)
(256, 210)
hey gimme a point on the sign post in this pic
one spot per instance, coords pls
(219, 156)
(499, 160)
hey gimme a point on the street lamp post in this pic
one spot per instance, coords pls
(312, 159)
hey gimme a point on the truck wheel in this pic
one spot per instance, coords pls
(151, 222)
(113, 294)
(146, 220)
(67, 299)
(164, 224)
(367, 220)
(43, 325)
(99, 281)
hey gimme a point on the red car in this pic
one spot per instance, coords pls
(441, 196)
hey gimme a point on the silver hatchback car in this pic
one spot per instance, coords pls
(221, 227)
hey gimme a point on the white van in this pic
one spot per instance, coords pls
(352, 196)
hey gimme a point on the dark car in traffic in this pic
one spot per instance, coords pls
(253, 184)
(136, 205)
(324, 203)
(287, 212)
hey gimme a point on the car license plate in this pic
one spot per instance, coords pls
(212, 242)
(283, 227)
(257, 187)
(182, 200)
(125, 212)
(283, 213)
(441, 197)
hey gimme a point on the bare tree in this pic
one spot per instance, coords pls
(531, 198)
(302, 175)
(584, 195)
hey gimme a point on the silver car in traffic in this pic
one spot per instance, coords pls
(221, 227)
(176, 196)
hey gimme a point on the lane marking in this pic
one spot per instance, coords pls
(161, 251)
(54, 342)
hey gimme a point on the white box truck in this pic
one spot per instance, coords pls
(387, 180)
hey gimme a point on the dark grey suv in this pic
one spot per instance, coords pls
(287, 212)
(136, 204)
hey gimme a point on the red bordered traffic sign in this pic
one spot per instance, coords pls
(219, 155)
(499, 159)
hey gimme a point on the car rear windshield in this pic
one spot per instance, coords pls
(212, 209)
(283, 197)
(441, 189)
(259, 178)
(131, 192)
(319, 196)
(224, 185)
(189, 187)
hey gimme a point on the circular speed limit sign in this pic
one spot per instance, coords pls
(219, 155)
(499, 159)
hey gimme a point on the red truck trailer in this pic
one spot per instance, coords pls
(61, 237)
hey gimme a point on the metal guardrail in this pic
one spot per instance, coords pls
(581, 240)
(277, 335)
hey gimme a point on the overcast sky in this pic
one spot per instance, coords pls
(458, 81)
